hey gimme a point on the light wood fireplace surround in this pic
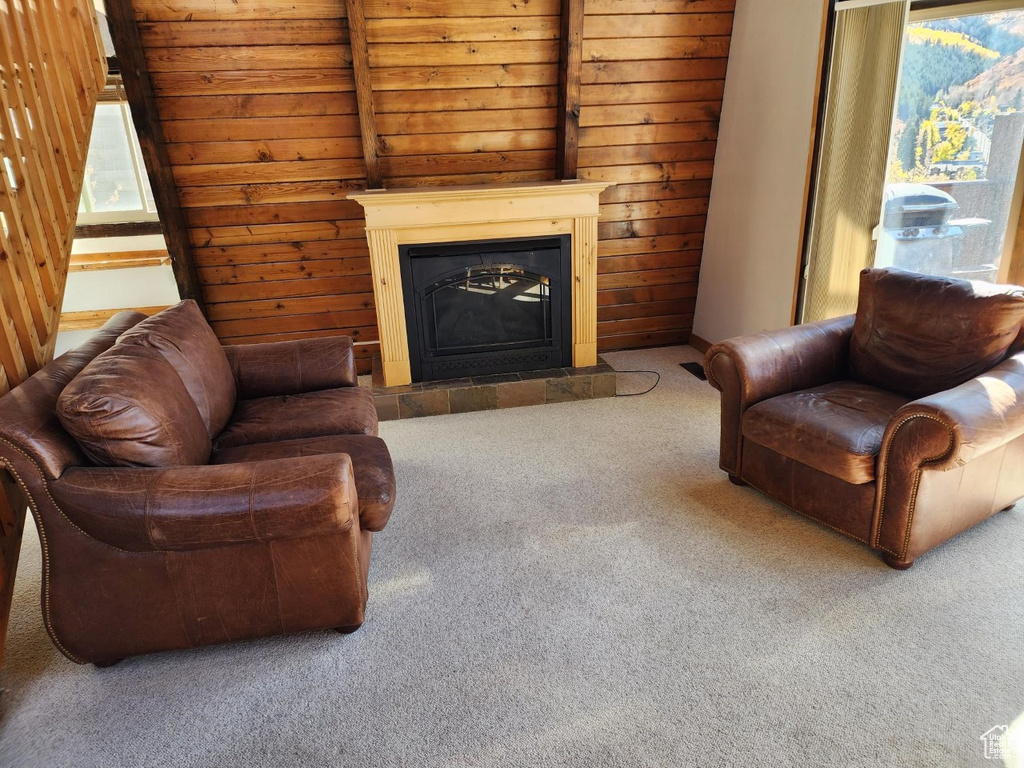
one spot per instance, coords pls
(397, 217)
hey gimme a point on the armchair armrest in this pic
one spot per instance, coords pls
(752, 368)
(292, 367)
(776, 362)
(942, 432)
(953, 427)
(197, 507)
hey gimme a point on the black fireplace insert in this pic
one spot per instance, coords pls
(493, 306)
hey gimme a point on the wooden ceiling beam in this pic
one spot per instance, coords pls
(364, 92)
(138, 87)
(570, 68)
(123, 229)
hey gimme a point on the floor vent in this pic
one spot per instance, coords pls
(696, 369)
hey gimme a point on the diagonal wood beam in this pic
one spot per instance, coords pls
(570, 69)
(139, 89)
(364, 91)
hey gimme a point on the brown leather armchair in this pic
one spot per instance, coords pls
(187, 494)
(900, 427)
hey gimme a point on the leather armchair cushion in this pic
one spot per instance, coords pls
(836, 428)
(185, 340)
(129, 408)
(292, 367)
(371, 465)
(349, 410)
(918, 334)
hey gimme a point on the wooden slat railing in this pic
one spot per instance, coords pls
(51, 69)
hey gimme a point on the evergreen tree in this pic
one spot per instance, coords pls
(906, 150)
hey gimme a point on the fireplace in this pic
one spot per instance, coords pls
(494, 306)
(418, 218)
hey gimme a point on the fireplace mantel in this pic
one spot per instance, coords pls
(397, 217)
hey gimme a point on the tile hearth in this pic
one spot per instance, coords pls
(484, 393)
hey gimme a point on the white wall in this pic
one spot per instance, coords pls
(755, 216)
(115, 288)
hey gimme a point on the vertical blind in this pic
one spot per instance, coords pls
(848, 187)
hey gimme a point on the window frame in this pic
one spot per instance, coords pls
(114, 94)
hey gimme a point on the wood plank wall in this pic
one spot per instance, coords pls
(51, 70)
(465, 92)
(653, 76)
(258, 108)
(257, 103)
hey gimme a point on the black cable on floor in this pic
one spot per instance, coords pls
(657, 381)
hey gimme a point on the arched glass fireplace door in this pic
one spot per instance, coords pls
(487, 307)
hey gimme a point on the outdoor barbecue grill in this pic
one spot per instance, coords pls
(918, 232)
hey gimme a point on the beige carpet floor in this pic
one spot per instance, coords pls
(573, 585)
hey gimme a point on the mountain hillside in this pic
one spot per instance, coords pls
(1004, 81)
(1001, 32)
(958, 75)
(922, 35)
(1009, 21)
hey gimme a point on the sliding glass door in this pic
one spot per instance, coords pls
(918, 163)
(952, 194)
